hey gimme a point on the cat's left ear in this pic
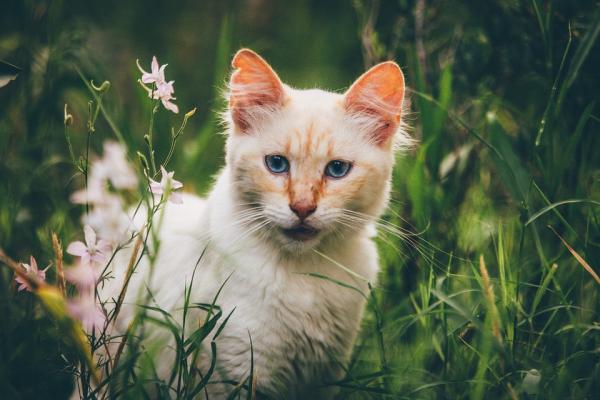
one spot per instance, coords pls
(255, 89)
(377, 97)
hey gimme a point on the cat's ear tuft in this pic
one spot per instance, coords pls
(255, 89)
(376, 97)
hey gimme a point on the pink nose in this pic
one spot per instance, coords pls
(303, 208)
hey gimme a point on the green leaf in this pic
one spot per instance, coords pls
(444, 98)
(206, 376)
(583, 50)
(552, 206)
(195, 340)
(513, 174)
(417, 188)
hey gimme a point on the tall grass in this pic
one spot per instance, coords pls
(488, 299)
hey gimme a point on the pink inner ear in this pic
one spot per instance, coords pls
(255, 89)
(378, 95)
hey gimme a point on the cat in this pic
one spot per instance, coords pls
(289, 217)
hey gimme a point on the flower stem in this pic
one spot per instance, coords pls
(149, 139)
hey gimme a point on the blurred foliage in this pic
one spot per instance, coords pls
(504, 102)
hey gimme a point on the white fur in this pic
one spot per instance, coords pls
(302, 327)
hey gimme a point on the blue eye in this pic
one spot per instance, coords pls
(277, 164)
(338, 168)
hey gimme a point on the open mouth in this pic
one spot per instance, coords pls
(301, 232)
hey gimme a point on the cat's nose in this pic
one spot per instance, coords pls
(303, 208)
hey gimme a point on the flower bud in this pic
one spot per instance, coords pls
(190, 113)
(103, 88)
(68, 118)
(143, 161)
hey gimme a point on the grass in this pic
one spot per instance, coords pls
(490, 247)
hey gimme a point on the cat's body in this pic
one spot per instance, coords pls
(301, 326)
(270, 237)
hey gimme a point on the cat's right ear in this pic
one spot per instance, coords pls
(255, 90)
(376, 97)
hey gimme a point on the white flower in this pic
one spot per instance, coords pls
(109, 220)
(94, 194)
(167, 185)
(107, 217)
(114, 166)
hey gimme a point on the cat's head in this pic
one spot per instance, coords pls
(308, 165)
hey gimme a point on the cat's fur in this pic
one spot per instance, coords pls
(302, 327)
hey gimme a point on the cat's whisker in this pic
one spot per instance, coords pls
(252, 230)
(381, 221)
(276, 212)
(247, 211)
(240, 222)
(425, 243)
(352, 228)
(252, 203)
(248, 221)
(414, 241)
(424, 249)
(245, 233)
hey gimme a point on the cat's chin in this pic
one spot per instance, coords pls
(297, 239)
(301, 233)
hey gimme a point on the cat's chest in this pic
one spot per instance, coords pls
(291, 311)
(286, 298)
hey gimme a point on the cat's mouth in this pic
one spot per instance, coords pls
(301, 232)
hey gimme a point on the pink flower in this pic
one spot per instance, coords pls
(156, 76)
(167, 185)
(85, 309)
(31, 269)
(90, 251)
(84, 276)
(164, 90)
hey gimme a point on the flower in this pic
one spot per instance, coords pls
(114, 167)
(85, 309)
(164, 90)
(107, 217)
(31, 269)
(157, 75)
(91, 250)
(84, 276)
(109, 220)
(167, 185)
(94, 194)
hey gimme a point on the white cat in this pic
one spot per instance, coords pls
(307, 172)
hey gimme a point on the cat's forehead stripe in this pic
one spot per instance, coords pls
(308, 138)
(310, 141)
